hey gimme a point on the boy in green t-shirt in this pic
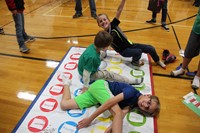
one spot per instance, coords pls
(90, 60)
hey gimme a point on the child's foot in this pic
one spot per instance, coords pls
(151, 21)
(160, 63)
(66, 80)
(196, 82)
(165, 27)
(137, 63)
(1, 31)
(178, 72)
(136, 81)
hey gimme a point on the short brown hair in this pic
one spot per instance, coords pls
(102, 39)
(157, 110)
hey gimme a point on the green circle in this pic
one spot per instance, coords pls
(131, 72)
(136, 123)
(140, 88)
(133, 132)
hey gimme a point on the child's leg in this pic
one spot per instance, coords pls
(111, 76)
(67, 102)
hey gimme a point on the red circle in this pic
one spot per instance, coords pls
(60, 78)
(73, 56)
(32, 129)
(49, 100)
(71, 63)
(56, 93)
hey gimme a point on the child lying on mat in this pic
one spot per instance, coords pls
(90, 60)
(119, 98)
(122, 45)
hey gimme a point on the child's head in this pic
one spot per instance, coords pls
(149, 104)
(103, 21)
(103, 39)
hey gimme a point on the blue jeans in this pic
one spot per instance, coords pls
(135, 51)
(78, 7)
(164, 13)
(19, 27)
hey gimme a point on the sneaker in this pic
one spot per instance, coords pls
(151, 21)
(24, 49)
(29, 39)
(1, 31)
(94, 16)
(77, 15)
(165, 27)
(137, 63)
(177, 73)
(196, 82)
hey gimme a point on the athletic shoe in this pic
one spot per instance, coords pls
(177, 73)
(165, 27)
(151, 21)
(24, 49)
(94, 16)
(29, 39)
(195, 82)
(77, 15)
(137, 63)
(1, 31)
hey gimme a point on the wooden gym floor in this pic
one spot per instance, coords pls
(55, 30)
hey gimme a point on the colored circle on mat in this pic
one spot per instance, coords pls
(77, 92)
(68, 127)
(137, 73)
(56, 89)
(140, 87)
(70, 65)
(75, 56)
(97, 129)
(115, 69)
(147, 89)
(137, 115)
(133, 132)
(37, 124)
(115, 60)
(65, 73)
(48, 105)
(76, 112)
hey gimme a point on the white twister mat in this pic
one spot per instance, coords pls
(45, 116)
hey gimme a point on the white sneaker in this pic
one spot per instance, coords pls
(195, 82)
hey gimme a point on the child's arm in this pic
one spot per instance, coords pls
(120, 8)
(124, 112)
(86, 80)
(108, 104)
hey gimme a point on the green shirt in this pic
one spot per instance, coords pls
(89, 60)
(196, 26)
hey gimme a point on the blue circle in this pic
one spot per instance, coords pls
(71, 123)
(76, 114)
(76, 92)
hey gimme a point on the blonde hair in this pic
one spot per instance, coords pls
(100, 15)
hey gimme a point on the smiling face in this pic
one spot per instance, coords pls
(148, 104)
(103, 21)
